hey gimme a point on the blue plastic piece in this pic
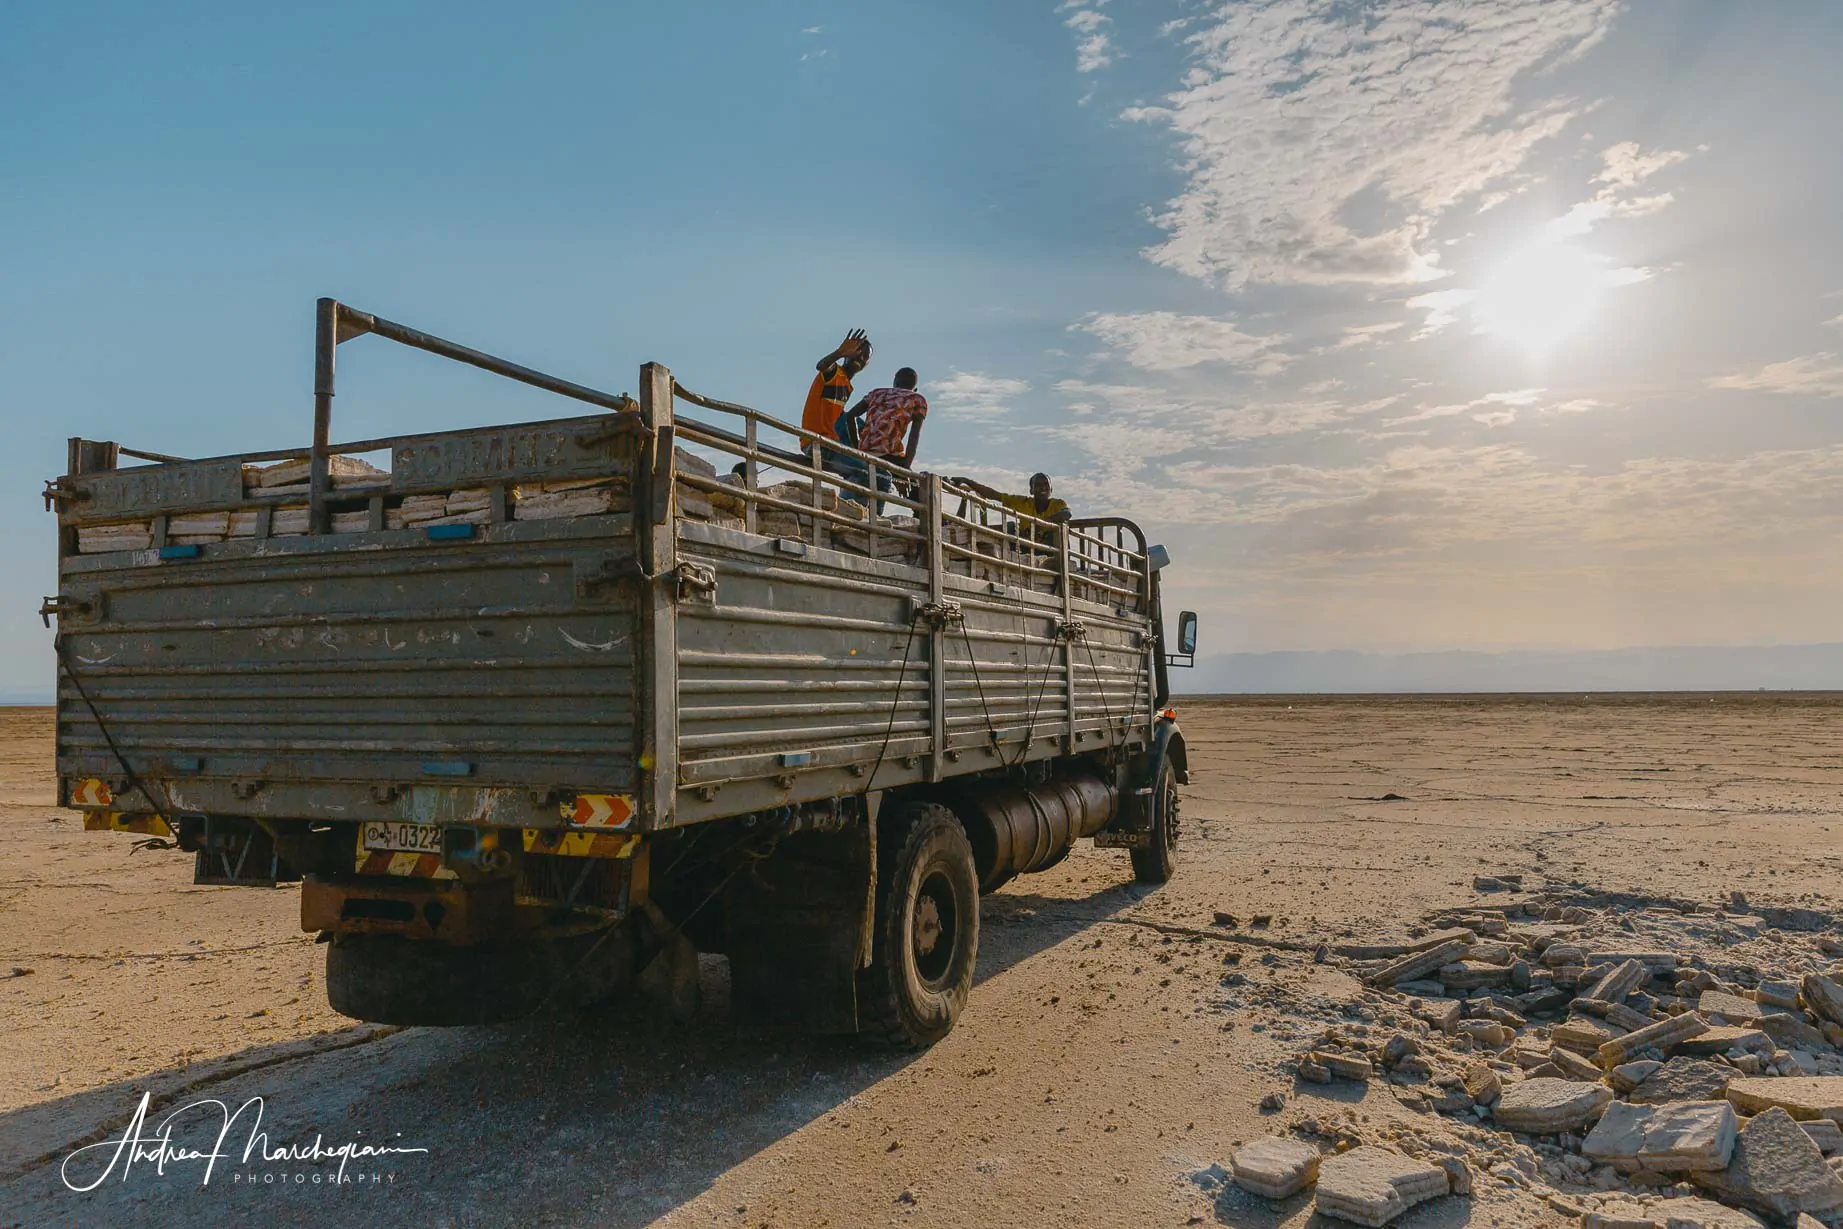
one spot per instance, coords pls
(189, 551)
(449, 533)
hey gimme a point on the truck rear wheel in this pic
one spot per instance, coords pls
(926, 941)
(1158, 859)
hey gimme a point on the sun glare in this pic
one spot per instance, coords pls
(1546, 293)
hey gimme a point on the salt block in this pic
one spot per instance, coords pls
(1825, 997)
(1811, 1096)
(1730, 1007)
(1473, 975)
(1420, 988)
(1827, 1135)
(1583, 1034)
(1791, 1031)
(1548, 1106)
(1372, 1186)
(1344, 1066)
(1572, 1065)
(1419, 964)
(1780, 994)
(1274, 1167)
(1620, 981)
(1775, 1169)
(1677, 1138)
(1701, 1214)
(1484, 1032)
(1482, 1083)
(1654, 962)
(1721, 1038)
(1441, 1013)
(1663, 1035)
(1628, 1076)
(1684, 1079)
(1618, 1216)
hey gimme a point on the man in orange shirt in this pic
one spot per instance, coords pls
(831, 390)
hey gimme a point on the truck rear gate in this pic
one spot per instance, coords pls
(558, 642)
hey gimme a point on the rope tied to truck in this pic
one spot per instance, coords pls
(59, 648)
(889, 727)
(1036, 708)
(1099, 686)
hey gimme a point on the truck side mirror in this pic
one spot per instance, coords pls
(1185, 653)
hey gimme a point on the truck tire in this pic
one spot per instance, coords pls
(926, 940)
(1155, 863)
(392, 980)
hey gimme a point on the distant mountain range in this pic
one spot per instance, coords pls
(1789, 667)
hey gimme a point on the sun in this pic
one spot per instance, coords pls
(1546, 293)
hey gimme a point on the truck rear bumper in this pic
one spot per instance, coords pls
(447, 910)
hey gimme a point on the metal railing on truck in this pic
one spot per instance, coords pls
(1093, 560)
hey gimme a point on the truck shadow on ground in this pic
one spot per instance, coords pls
(612, 1117)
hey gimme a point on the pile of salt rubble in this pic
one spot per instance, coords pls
(1634, 1088)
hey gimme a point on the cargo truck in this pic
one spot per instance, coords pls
(519, 707)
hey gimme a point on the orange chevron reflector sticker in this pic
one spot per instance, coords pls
(580, 844)
(91, 792)
(409, 865)
(599, 810)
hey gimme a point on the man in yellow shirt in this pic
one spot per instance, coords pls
(1039, 503)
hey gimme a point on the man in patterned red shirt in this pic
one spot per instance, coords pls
(891, 420)
(888, 423)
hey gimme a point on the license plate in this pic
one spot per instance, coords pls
(388, 835)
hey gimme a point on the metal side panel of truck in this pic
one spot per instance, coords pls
(541, 703)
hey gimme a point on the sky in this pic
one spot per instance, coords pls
(1406, 325)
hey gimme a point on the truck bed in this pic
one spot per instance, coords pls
(508, 617)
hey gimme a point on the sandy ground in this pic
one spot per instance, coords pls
(1102, 1062)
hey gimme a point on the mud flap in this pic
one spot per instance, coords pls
(795, 932)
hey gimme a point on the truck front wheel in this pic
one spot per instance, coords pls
(927, 928)
(1158, 859)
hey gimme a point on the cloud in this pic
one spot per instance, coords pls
(1143, 416)
(1094, 50)
(1366, 334)
(1167, 341)
(812, 29)
(1439, 502)
(1625, 166)
(973, 394)
(1507, 404)
(1814, 375)
(1297, 119)
(1442, 308)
